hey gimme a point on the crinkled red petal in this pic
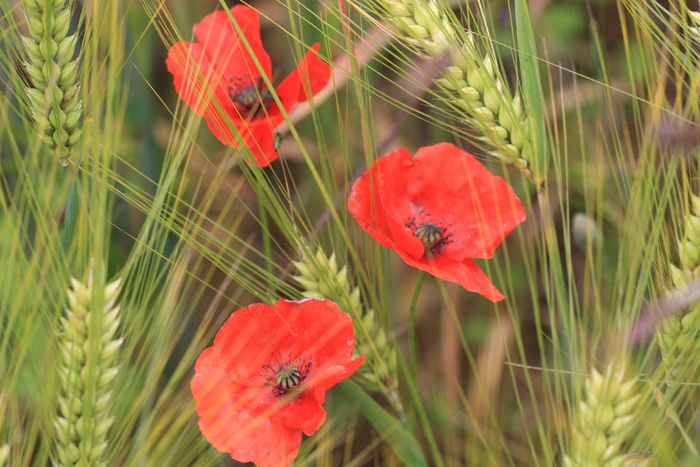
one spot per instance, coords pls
(197, 81)
(320, 331)
(366, 204)
(251, 338)
(329, 375)
(226, 48)
(395, 172)
(258, 135)
(314, 74)
(261, 142)
(481, 209)
(313, 330)
(304, 412)
(465, 273)
(233, 420)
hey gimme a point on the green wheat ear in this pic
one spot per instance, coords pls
(604, 419)
(677, 335)
(470, 78)
(54, 100)
(88, 350)
(320, 277)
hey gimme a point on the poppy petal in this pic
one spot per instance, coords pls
(261, 141)
(225, 47)
(195, 82)
(396, 193)
(258, 136)
(252, 337)
(304, 413)
(326, 332)
(366, 204)
(194, 78)
(272, 445)
(329, 376)
(465, 273)
(227, 423)
(480, 207)
(314, 74)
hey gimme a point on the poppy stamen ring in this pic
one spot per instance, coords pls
(249, 98)
(284, 377)
(433, 236)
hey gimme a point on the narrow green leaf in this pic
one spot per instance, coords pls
(71, 215)
(404, 443)
(530, 81)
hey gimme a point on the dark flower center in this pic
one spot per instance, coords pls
(288, 377)
(432, 234)
(285, 376)
(249, 95)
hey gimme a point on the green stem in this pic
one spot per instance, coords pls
(422, 416)
(412, 328)
(267, 243)
(404, 443)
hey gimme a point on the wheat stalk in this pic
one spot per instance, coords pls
(88, 348)
(470, 78)
(54, 100)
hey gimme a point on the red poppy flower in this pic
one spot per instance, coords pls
(437, 210)
(218, 77)
(265, 378)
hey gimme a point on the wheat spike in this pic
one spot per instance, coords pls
(54, 100)
(470, 77)
(603, 420)
(88, 349)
